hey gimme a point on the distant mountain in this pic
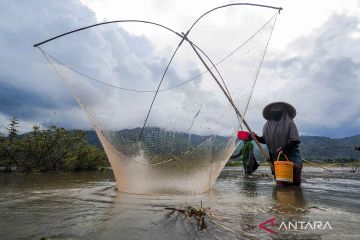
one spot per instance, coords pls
(316, 148)
(323, 148)
(92, 138)
(159, 142)
(312, 147)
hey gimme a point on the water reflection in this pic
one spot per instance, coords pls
(289, 200)
(249, 186)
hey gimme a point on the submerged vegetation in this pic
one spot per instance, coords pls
(191, 213)
(198, 216)
(51, 149)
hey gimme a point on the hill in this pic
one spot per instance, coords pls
(314, 148)
(324, 148)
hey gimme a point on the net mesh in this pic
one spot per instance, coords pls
(113, 72)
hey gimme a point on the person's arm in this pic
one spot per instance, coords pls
(236, 155)
(290, 145)
(260, 139)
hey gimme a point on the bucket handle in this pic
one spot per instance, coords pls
(281, 152)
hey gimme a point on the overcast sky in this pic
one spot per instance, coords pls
(312, 62)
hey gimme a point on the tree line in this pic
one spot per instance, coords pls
(50, 149)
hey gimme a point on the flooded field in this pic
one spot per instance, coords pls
(88, 206)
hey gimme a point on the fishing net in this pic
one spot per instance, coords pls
(166, 128)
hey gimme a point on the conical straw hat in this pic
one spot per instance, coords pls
(279, 105)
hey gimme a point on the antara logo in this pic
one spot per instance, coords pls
(270, 225)
(302, 225)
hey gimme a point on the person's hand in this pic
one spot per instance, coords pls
(280, 149)
(253, 135)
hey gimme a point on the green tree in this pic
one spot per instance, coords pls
(13, 128)
(9, 147)
(51, 149)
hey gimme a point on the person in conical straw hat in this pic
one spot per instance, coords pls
(280, 134)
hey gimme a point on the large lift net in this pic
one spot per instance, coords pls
(154, 98)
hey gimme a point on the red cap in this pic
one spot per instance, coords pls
(243, 135)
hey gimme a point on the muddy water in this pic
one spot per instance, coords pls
(87, 206)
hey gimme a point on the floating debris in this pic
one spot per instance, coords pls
(199, 215)
(260, 176)
(192, 213)
(354, 169)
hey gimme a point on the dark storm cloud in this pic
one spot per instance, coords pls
(26, 90)
(30, 88)
(323, 78)
(26, 103)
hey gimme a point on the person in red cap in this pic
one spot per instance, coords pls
(280, 134)
(247, 152)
